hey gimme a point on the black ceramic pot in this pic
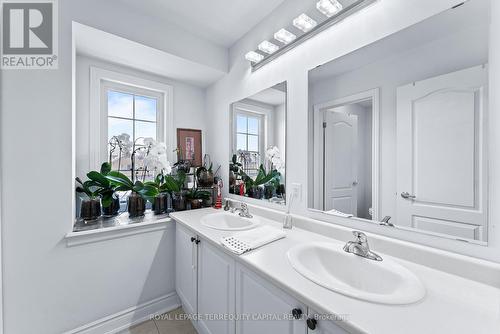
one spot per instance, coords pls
(136, 205)
(268, 191)
(179, 201)
(90, 209)
(159, 204)
(183, 166)
(113, 209)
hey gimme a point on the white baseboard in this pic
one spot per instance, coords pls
(124, 319)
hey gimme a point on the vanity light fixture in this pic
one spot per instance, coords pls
(284, 36)
(304, 22)
(329, 7)
(268, 47)
(305, 27)
(254, 57)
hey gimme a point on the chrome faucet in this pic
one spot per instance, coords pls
(243, 211)
(385, 221)
(360, 247)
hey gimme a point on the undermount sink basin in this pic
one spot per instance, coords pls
(229, 221)
(328, 265)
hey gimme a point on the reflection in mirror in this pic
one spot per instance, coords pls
(258, 129)
(399, 128)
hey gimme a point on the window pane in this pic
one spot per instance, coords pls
(145, 108)
(145, 129)
(253, 143)
(241, 124)
(241, 142)
(117, 126)
(120, 104)
(253, 125)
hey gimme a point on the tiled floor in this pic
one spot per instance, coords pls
(168, 323)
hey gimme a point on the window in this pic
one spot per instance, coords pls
(134, 113)
(131, 106)
(249, 135)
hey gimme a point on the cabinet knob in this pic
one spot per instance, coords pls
(193, 239)
(197, 241)
(311, 323)
(296, 312)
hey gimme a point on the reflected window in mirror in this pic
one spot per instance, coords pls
(399, 128)
(257, 157)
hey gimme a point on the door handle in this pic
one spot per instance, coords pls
(406, 195)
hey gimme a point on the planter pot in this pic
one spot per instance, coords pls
(136, 205)
(179, 202)
(269, 191)
(255, 192)
(168, 202)
(205, 178)
(90, 209)
(195, 204)
(159, 204)
(232, 178)
(113, 209)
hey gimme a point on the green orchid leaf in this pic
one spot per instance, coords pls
(105, 168)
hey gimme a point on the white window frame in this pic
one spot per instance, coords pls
(100, 81)
(247, 109)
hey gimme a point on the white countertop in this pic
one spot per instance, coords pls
(452, 304)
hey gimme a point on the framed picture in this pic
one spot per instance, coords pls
(189, 141)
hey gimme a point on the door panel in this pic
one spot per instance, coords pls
(341, 144)
(215, 288)
(185, 268)
(442, 154)
(258, 298)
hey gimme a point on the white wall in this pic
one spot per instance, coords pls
(47, 287)
(455, 52)
(189, 104)
(378, 21)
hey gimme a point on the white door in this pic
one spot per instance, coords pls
(269, 309)
(340, 156)
(442, 154)
(319, 324)
(185, 268)
(215, 289)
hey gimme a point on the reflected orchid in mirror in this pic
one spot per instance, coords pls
(273, 156)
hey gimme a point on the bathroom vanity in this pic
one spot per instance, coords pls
(261, 292)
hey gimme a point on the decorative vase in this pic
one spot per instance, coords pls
(113, 208)
(179, 201)
(159, 204)
(136, 205)
(90, 209)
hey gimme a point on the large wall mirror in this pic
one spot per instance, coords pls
(400, 128)
(257, 160)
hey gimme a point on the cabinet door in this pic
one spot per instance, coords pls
(321, 325)
(262, 308)
(215, 289)
(185, 268)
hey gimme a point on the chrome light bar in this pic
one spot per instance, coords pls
(344, 13)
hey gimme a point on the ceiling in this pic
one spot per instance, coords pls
(222, 22)
(273, 96)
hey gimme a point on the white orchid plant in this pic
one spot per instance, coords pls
(273, 157)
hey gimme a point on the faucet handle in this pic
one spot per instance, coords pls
(244, 206)
(360, 236)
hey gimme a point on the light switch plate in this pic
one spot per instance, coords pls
(297, 191)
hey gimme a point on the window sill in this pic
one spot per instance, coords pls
(124, 227)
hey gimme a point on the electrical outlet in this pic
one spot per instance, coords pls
(297, 191)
